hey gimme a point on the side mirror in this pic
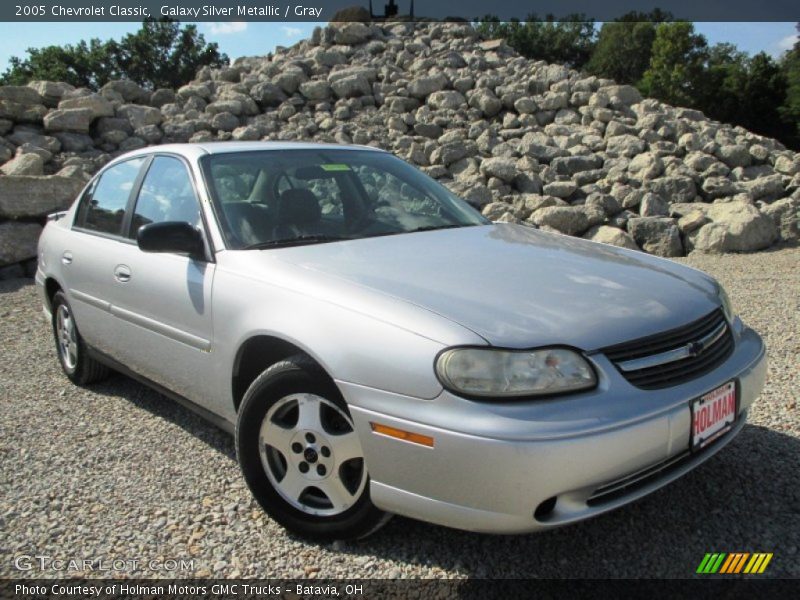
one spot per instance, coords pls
(177, 237)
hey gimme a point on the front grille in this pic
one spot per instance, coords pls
(660, 346)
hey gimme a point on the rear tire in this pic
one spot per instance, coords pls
(300, 454)
(75, 361)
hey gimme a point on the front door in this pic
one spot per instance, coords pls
(163, 300)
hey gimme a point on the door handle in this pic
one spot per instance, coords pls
(66, 258)
(122, 273)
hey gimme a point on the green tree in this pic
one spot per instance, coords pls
(790, 109)
(159, 54)
(760, 98)
(623, 48)
(677, 64)
(81, 65)
(747, 91)
(568, 41)
(719, 89)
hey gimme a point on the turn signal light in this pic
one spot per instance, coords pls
(401, 434)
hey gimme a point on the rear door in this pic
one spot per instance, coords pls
(97, 245)
(164, 302)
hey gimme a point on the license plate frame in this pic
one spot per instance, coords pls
(701, 439)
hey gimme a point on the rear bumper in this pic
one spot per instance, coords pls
(490, 474)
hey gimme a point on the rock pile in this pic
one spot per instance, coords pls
(523, 140)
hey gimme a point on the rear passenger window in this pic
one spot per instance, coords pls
(166, 195)
(105, 209)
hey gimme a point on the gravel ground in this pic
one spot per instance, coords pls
(119, 472)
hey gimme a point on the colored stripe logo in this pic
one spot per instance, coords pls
(734, 562)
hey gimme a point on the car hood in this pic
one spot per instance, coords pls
(518, 287)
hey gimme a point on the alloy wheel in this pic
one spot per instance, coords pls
(311, 454)
(66, 336)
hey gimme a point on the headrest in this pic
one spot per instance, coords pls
(298, 207)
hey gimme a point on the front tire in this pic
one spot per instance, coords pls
(75, 361)
(300, 455)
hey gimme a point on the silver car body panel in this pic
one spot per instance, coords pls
(519, 287)
(375, 313)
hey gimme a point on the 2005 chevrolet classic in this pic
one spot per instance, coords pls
(378, 347)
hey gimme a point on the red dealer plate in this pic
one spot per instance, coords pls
(713, 415)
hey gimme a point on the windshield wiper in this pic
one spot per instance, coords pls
(423, 228)
(295, 241)
(435, 227)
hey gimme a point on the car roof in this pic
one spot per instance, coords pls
(196, 150)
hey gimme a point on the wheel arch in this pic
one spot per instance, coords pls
(51, 287)
(256, 354)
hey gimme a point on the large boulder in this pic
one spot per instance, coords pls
(485, 101)
(113, 130)
(76, 120)
(611, 235)
(51, 91)
(162, 96)
(424, 86)
(20, 94)
(18, 241)
(647, 165)
(734, 155)
(22, 113)
(290, 79)
(769, 187)
(449, 153)
(129, 90)
(140, 116)
(225, 121)
(677, 188)
(74, 142)
(503, 168)
(24, 164)
(351, 86)
(785, 213)
(99, 106)
(28, 196)
(194, 90)
(351, 34)
(625, 94)
(656, 235)
(560, 189)
(566, 219)
(34, 138)
(735, 227)
(653, 205)
(569, 165)
(788, 165)
(447, 100)
(315, 90)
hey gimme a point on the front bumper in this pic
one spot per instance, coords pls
(494, 464)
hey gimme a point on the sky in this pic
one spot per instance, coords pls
(254, 39)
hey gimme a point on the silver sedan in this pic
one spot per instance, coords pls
(378, 347)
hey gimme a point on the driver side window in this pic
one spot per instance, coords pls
(167, 194)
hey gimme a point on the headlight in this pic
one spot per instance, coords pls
(509, 373)
(727, 305)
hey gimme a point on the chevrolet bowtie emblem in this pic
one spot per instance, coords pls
(695, 348)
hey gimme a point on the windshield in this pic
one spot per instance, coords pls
(273, 198)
